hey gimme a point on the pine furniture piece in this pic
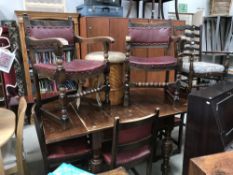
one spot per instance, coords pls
(209, 122)
(116, 171)
(150, 36)
(7, 128)
(15, 161)
(220, 163)
(133, 142)
(91, 120)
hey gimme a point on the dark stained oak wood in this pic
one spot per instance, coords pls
(90, 119)
(209, 121)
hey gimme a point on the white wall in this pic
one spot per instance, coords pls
(9, 6)
(71, 5)
(193, 5)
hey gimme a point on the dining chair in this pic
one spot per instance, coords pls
(14, 159)
(192, 65)
(147, 36)
(74, 150)
(133, 142)
(51, 44)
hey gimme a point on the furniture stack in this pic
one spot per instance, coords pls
(63, 124)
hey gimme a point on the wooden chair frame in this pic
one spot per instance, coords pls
(167, 47)
(58, 45)
(195, 53)
(150, 140)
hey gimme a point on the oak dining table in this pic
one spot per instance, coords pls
(92, 120)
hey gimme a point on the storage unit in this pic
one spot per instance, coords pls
(209, 122)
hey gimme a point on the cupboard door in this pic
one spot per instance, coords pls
(118, 30)
(97, 26)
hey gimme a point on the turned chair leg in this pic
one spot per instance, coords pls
(177, 90)
(63, 102)
(107, 84)
(127, 85)
(78, 100)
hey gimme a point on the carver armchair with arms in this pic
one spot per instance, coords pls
(52, 54)
(192, 65)
(147, 36)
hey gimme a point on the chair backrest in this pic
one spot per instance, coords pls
(19, 136)
(189, 44)
(130, 135)
(50, 28)
(150, 35)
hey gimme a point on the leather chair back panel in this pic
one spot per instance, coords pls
(134, 133)
(41, 32)
(150, 35)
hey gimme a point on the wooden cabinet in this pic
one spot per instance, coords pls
(209, 122)
(118, 29)
(38, 15)
(212, 164)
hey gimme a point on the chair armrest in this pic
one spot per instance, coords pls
(93, 40)
(37, 43)
(105, 40)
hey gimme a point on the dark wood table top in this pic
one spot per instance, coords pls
(89, 118)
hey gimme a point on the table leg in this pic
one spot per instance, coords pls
(166, 150)
(96, 161)
(1, 164)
